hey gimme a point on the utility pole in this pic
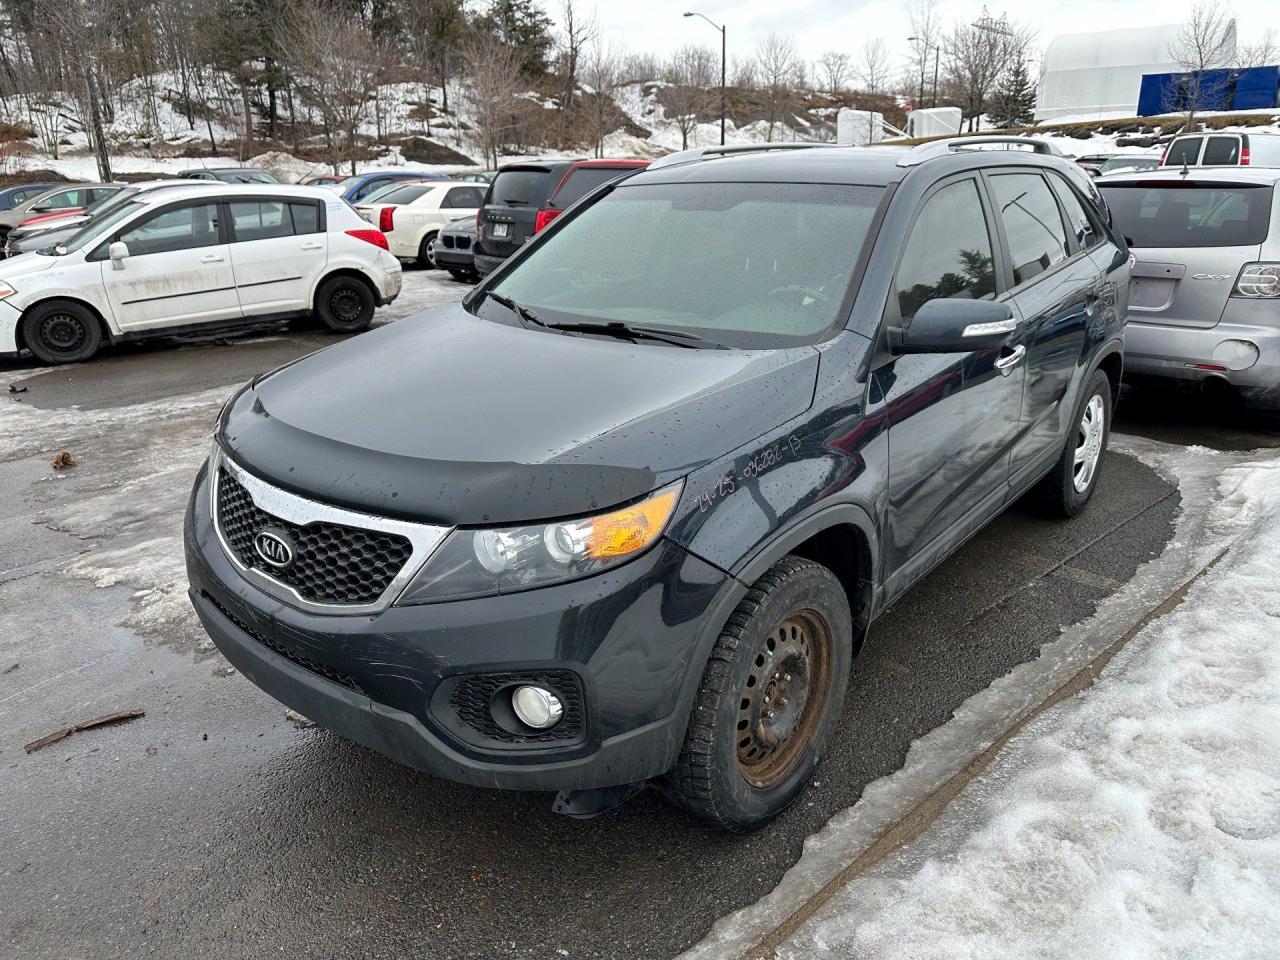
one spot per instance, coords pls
(723, 63)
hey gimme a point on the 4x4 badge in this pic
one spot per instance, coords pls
(274, 548)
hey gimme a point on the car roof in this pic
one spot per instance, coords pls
(1264, 175)
(853, 165)
(298, 190)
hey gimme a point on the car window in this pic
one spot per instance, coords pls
(517, 187)
(306, 217)
(1190, 214)
(1183, 150)
(181, 228)
(261, 220)
(948, 253)
(582, 181)
(65, 200)
(1221, 152)
(743, 264)
(400, 193)
(1078, 219)
(462, 198)
(1032, 223)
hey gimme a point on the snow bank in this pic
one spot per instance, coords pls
(1138, 819)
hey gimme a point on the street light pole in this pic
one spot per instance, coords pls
(723, 63)
(937, 55)
(924, 63)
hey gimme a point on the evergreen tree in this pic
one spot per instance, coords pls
(524, 26)
(1015, 99)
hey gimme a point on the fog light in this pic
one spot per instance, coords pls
(537, 707)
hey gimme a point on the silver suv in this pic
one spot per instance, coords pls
(1205, 296)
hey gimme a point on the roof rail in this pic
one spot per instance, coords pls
(706, 153)
(941, 148)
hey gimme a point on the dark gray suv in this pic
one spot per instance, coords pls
(629, 510)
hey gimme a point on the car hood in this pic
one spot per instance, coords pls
(25, 264)
(447, 418)
(64, 226)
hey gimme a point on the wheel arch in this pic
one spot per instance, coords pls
(344, 272)
(20, 336)
(1111, 362)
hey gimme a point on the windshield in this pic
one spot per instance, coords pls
(110, 202)
(1116, 164)
(97, 227)
(741, 264)
(518, 187)
(1188, 214)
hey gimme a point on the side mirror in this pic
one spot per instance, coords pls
(118, 252)
(957, 325)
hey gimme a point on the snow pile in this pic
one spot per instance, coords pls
(1138, 819)
(285, 166)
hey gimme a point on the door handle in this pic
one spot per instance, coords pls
(313, 246)
(212, 258)
(1006, 363)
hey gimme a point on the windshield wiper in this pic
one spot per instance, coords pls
(627, 331)
(523, 313)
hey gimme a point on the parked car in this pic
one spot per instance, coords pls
(1205, 300)
(355, 189)
(321, 179)
(1092, 163)
(67, 198)
(510, 212)
(196, 259)
(454, 248)
(229, 175)
(580, 179)
(48, 233)
(1223, 150)
(413, 216)
(11, 197)
(374, 195)
(1128, 163)
(476, 176)
(628, 510)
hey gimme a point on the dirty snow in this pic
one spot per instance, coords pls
(1138, 819)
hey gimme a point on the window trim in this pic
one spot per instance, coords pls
(1074, 251)
(99, 252)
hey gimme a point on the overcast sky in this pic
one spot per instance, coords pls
(818, 25)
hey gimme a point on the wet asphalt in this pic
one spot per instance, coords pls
(213, 827)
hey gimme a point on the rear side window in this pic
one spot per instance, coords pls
(269, 219)
(948, 253)
(1221, 152)
(1032, 224)
(517, 187)
(405, 194)
(462, 198)
(1183, 150)
(582, 181)
(1191, 214)
(1078, 219)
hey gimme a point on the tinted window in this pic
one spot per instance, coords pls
(744, 264)
(1183, 150)
(306, 217)
(1190, 215)
(1078, 219)
(517, 187)
(269, 219)
(405, 194)
(948, 252)
(1221, 152)
(181, 228)
(1032, 223)
(463, 198)
(582, 181)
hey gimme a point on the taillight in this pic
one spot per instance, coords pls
(386, 219)
(376, 237)
(544, 217)
(1258, 281)
(1244, 156)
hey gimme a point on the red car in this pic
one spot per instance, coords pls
(580, 179)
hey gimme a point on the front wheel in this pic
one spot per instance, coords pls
(1070, 484)
(345, 305)
(770, 697)
(61, 331)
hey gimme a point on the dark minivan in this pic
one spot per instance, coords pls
(627, 512)
(509, 215)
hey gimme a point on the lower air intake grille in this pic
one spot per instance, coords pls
(473, 695)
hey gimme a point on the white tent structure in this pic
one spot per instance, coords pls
(1097, 75)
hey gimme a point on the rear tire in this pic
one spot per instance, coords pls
(1070, 484)
(427, 252)
(61, 331)
(345, 304)
(770, 697)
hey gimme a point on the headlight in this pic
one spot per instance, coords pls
(477, 563)
(6, 290)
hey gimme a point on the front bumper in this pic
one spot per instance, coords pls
(635, 639)
(486, 264)
(9, 319)
(446, 257)
(1168, 351)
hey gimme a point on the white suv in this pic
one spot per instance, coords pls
(196, 259)
(413, 215)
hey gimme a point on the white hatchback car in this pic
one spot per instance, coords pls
(412, 216)
(197, 259)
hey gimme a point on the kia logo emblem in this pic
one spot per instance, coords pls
(274, 548)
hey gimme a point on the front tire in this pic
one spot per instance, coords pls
(61, 331)
(427, 252)
(345, 304)
(770, 697)
(1070, 484)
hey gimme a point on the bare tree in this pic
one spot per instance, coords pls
(927, 37)
(578, 30)
(493, 80)
(976, 57)
(835, 69)
(873, 65)
(600, 78)
(693, 73)
(776, 63)
(1202, 44)
(1264, 51)
(81, 35)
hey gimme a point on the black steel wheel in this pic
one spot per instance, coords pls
(345, 304)
(770, 697)
(61, 331)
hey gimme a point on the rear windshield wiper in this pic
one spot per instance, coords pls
(627, 331)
